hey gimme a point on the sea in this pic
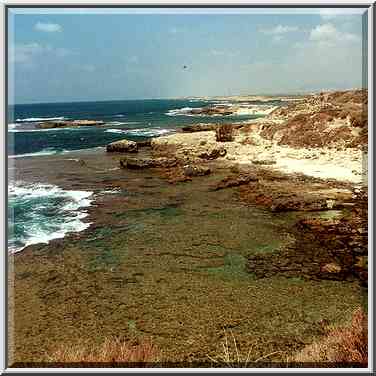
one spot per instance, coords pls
(40, 212)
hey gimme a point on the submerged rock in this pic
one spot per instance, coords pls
(123, 146)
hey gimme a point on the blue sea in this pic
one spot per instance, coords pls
(41, 212)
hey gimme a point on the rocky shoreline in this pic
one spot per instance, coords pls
(309, 156)
(199, 235)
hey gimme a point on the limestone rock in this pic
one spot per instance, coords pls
(123, 146)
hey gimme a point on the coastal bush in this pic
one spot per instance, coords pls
(110, 351)
(348, 344)
(224, 133)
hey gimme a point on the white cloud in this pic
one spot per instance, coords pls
(328, 33)
(338, 14)
(48, 27)
(279, 29)
(28, 53)
(24, 53)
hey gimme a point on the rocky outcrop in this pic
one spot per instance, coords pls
(334, 249)
(144, 143)
(194, 170)
(213, 110)
(224, 133)
(122, 146)
(68, 123)
(324, 120)
(200, 127)
(235, 181)
(213, 153)
(142, 163)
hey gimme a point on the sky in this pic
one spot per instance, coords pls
(64, 55)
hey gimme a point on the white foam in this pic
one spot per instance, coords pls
(36, 154)
(111, 191)
(147, 132)
(72, 223)
(31, 120)
(185, 111)
(44, 152)
(115, 123)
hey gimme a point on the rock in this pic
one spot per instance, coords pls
(224, 133)
(123, 146)
(141, 163)
(213, 154)
(68, 123)
(190, 170)
(330, 203)
(199, 127)
(145, 143)
(331, 268)
(264, 161)
(236, 181)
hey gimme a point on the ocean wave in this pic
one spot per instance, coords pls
(185, 111)
(32, 120)
(47, 151)
(42, 212)
(143, 132)
(119, 116)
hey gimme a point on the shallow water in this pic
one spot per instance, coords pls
(165, 262)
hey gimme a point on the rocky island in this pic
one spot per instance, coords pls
(68, 123)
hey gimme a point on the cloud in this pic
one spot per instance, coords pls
(29, 53)
(337, 14)
(24, 53)
(328, 33)
(48, 27)
(279, 29)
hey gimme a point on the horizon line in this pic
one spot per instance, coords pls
(204, 97)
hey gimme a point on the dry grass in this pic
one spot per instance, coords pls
(224, 133)
(110, 351)
(231, 356)
(341, 345)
